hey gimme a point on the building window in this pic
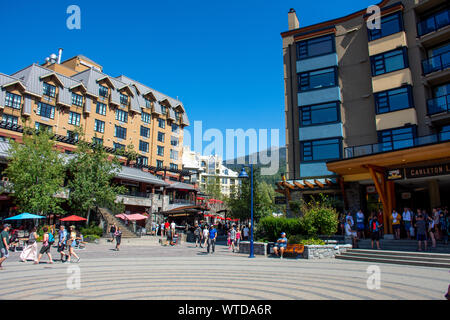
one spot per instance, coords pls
(121, 115)
(164, 110)
(77, 100)
(173, 154)
(143, 146)
(118, 146)
(74, 118)
(389, 61)
(160, 151)
(41, 126)
(49, 90)
(123, 99)
(160, 137)
(13, 100)
(438, 59)
(97, 141)
(143, 161)
(103, 91)
(146, 117)
(433, 22)
(315, 47)
(101, 108)
(99, 126)
(120, 132)
(390, 24)
(72, 135)
(174, 141)
(10, 119)
(145, 132)
(159, 163)
(317, 79)
(444, 134)
(393, 100)
(175, 128)
(148, 103)
(161, 123)
(398, 138)
(224, 180)
(321, 150)
(173, 166)
(46, 110)
(319, 114)
(177, 115)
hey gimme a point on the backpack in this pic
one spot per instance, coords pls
(51, 238)
(373, 226)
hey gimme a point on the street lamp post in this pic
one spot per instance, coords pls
(244, 174)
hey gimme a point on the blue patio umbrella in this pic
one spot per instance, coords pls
(24, 216)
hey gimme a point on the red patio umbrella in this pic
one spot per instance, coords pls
(73, 218)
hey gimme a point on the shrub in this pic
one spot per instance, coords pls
(91, 237)
(270, 227)
(92, 230)
(320, 218)
(299, 239)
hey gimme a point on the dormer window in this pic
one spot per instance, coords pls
(177, 115)
(123, 99)
(103, 91)
(49, 90)
(164, 110)
(77, 100)
(148, 103)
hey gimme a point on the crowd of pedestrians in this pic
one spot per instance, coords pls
(67, 241)
(413, 225)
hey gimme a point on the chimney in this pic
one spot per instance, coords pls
(59, 55)
(293, 20)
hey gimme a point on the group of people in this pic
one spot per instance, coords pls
(205, 236)
(419, 225)
(66, 241)
(116, 234)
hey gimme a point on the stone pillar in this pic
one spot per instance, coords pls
(353, 196)
(433, 190)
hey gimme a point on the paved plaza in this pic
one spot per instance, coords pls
(186, 272)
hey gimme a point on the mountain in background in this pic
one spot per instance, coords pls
(272, 179)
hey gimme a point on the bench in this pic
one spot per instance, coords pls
(294, 249)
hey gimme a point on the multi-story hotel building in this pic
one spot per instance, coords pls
(114, 111)
(209, 169)
(367, 109)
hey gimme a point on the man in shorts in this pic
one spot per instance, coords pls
(4, 244)
(374, 226)
(62, 242)
(421, 231)
(281, 245)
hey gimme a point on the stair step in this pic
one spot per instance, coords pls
(398, 261)
(400, 257)
(402, 253)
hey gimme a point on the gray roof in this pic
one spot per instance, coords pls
(181, 185)
(139, 175)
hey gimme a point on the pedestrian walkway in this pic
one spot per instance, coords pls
(182, 272)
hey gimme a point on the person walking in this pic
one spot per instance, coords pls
(30, 252)
(212, 239)
(112, 230)
(238, 238)
(396, 218)
(172, 229)
(374, 227)
(62, 240)
(4, 244)
(166, 227)
(233, 238)
(71, 243)
(205, 235)
(246, 233)
(118, 236)
(421, 231)
(197, 236)
(229, 239)
(162, 230)
(45, 248)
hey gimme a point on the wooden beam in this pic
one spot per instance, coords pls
(320, 184)
(308, 184)
(290, 186)
(328, 182)
(298, 184)
(375, 168)
(280, 185)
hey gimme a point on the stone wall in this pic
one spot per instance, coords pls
(324, 252)
(352, 191)
(259, 248)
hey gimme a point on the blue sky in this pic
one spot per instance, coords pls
(222, 59)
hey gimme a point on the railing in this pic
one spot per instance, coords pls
(437, 63)
(182, 201)
(438, 105)
(137, 194)
(358, 151)
(433, 23)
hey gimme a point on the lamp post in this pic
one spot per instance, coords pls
(244, 174)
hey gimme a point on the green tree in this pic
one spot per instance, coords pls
(91, 171)
(36, 169)
(263, 199)
(213, 188)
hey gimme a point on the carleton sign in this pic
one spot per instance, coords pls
(427, 171)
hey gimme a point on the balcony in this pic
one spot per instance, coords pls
(135, 198)
(369, 149)
(182, 202)
(438, 105)
(436, 63)
(433, 23)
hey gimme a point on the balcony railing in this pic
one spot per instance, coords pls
(137, 194)
(358, 151)
(438, 105)
(182, 201)
(433, 23)
(436, 63)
